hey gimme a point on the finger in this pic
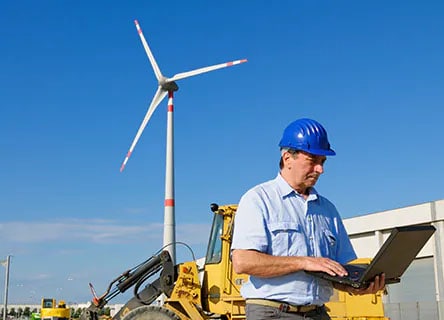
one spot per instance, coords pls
(382, 280)
(379, 282)
(336, 268)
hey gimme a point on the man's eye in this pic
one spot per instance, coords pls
(317, 161)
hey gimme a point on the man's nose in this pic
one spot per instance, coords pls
(319, 168)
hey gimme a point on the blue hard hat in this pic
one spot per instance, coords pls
(307, 135)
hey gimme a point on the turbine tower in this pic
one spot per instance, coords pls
(167, 86)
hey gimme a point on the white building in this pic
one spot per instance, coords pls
(420, 295)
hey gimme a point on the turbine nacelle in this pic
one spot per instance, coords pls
(168, 85)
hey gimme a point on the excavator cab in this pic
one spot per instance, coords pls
(221, 285)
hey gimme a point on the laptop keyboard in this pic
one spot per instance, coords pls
(355, 271)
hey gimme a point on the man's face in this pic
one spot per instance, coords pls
(306, 168)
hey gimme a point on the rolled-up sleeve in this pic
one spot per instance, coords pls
(249, 226)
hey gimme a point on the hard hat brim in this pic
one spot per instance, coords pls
(321, 152)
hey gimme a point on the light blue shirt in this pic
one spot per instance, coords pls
(274, 219)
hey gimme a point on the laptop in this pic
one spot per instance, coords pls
(393, 258)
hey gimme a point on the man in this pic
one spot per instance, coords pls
(284, 227)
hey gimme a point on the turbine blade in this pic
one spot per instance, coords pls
(158, 97)
(203, 70)
(148, 52)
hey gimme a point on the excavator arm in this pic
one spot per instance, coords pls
(164, 284)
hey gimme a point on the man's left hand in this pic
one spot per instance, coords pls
(376, 285)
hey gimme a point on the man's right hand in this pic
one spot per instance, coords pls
(327, 265)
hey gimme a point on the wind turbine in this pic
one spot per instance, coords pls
(167, 86)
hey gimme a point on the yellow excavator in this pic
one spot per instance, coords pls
(50, 310)
(210, 290)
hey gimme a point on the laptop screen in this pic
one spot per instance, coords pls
(398, 251)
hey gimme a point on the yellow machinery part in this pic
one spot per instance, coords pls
(51, 311)
(185, 300)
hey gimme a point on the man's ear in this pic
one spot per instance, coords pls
(285, 156)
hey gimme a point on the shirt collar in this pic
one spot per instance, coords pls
(286, 190)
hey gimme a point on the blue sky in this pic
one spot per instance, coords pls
(75, 84)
